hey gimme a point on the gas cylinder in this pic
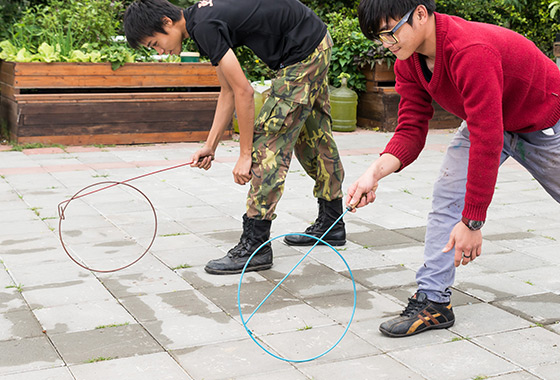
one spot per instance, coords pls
(344, 103)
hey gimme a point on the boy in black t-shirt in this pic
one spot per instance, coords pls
(295, 118)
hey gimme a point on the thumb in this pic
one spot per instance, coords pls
(449, 245)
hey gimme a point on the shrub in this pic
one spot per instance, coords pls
(531, 18)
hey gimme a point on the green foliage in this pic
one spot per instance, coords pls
(352, 51)
(71, 31)
(532, 18)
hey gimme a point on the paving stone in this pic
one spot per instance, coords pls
(484, 319)
(146, 367)
(11, 299)
(72, 292)
(104, 342)
(495, 287)
(381, 238)
(547, 372)
(44, 374)
(368, 329)
(540, 308)
(195, 330)
(309, 279)
(369, 304)
(27, 354)
(463, 360)
(543, 277)
(313, 342)
(291, 374)
(387, 277)
(164, 305)
(229, 360)
(539, 346)
(519, 375)
(200, 279)
(134, 284)
(355, 256)
(82, 316)
(368, 368)
(18, 325)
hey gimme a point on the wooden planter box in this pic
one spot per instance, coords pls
(379, 108)
(381, 75)
(89, 103)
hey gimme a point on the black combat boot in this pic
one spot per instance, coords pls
(255, 233)
(329, 211)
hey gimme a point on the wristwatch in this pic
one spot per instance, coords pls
(473, 225)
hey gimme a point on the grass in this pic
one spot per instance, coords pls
(19, 287)
(36, 210)
(305, 328)
(99, 359)
(113, 325)
(20, 147)
(175, 234)
(182, 266)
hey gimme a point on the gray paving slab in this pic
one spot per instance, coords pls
(229, 360)
(27, 354)
(146, 367)
(166, 318)
(538, 346)
(104, 342)
(463, 360)
(18, 325)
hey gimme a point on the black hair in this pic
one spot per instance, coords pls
(143, 18)
(372, 12)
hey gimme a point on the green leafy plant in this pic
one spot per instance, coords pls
(534, 19)
(71, 31)
(352, 51)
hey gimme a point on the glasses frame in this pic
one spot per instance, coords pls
(387, 36)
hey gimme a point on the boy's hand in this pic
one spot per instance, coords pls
(202, 158)
(468, 244)
(242, 170)
(362, 192)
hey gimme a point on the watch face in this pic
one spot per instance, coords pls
(475, 225)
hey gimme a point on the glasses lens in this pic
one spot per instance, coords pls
(388, 38)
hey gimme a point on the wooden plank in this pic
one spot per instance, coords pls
(379, 109)
(149, 120)
(8, 91)
(185, 104)
(148, 80)
(115, 97)
(104, 69)
(96, 75)
(9, 114)
(120, 139)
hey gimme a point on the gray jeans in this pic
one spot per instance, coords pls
(538, 152)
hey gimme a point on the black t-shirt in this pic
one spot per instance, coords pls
(279, 32)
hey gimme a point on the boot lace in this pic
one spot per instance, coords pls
(414, 306)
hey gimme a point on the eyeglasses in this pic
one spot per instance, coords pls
(388, 36)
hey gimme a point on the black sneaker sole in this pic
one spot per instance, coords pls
(334, 243)
(236, 271)
(443, 325)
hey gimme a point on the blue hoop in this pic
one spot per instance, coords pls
(319, 240)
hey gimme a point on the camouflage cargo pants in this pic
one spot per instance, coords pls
(295, 118)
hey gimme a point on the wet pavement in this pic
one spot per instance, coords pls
(165, 318)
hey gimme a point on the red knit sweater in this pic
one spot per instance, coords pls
(493, 78)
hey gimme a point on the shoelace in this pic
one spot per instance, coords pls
(413, 307)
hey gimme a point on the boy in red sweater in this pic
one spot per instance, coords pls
(506, 91)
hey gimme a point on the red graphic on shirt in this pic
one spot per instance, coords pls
(205, 3)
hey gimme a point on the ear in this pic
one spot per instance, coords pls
(421, 14)
(166, 21)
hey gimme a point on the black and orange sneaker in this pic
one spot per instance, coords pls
(420, 315)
